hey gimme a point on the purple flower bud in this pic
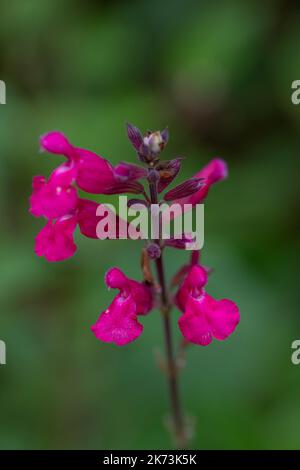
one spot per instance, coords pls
(165, 136)
(185, 189)
(152, 145)
(154, 142)
(134, 135)
(144, 154)
(168, 171)
(153, 251)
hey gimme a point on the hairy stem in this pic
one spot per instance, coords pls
(176, 408)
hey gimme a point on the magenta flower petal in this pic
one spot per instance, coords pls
(116, 279)
(205, 318)
(88, 220)
(140, 292)
(52, 202)
(55, 240)
(193, 323)
(96, 175)
(224, 316)
(118, 324)
(194, 282)
(94, 172)
(56, 142)
(55, 197)
(216, 170)
(64, 175)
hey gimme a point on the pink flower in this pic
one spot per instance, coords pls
(119, 324)
(194, 283)
(55, 240)
(140, 292)
(55, 197)
(56, 142)
(204, 318)
(94, 173)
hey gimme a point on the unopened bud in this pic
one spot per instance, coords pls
(185, 189)
(168, 170)
(153, 251)
(134, 135)
(153, 143)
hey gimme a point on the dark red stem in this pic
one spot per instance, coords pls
(176, 408)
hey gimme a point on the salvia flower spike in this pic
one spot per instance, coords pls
(56, 199)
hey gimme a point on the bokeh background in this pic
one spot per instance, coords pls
(219, 75)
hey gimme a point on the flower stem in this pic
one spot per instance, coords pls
(177, 418)
(176, 408)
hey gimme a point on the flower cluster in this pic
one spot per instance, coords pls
(56, 199)
(119, 323)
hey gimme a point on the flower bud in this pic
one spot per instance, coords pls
(153, 251)
(165, 136)
(154, 142)
(152, 145)
(134, 135)
(168, 171)
(185, 189)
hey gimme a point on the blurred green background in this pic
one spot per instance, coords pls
(219, 75)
